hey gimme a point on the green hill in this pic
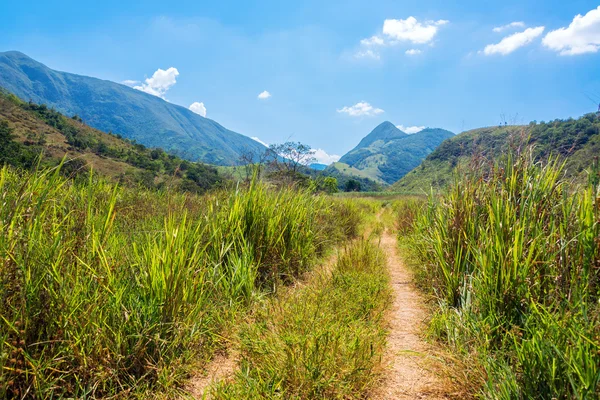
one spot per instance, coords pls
(112, 107)
(575, 140)
(387, 154)
(28, 130)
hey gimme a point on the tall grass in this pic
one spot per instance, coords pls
(513, 257)
(107, 291)
(323, 340)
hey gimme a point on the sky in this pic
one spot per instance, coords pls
(325, 73)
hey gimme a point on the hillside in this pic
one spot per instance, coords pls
(112, 107)
(28, 130)
(387, 154)
(576, 141)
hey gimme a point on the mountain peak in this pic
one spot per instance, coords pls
(15, 54)
(385, 125)
(385, 131)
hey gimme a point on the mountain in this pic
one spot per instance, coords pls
(387, 154)
(28, 130)
(318, 166)
(112, 107)
(576, 141)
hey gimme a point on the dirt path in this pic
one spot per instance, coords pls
(224, 365)
(221, 367)
(411, 369)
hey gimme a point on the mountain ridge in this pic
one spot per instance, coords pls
(574, 141)
(113, 107)
(387, 153)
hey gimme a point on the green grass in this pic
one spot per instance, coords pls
(109, 291)
(513, 258)
(322, 340)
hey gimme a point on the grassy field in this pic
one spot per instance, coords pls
(125, 292)
(512, 259)
(110, 291)
(323, 340)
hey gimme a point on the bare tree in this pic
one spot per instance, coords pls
(253, 161)
(291, 156)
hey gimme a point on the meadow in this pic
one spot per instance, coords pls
(510, 255)
(109, 291)
(128, 292)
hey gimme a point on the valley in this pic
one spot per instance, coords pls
(410, 210)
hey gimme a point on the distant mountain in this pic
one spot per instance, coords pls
(387, 154)
(576, 141)
(28, 130)
(112, 107)
(318, 166)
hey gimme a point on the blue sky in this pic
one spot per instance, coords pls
(333, 70)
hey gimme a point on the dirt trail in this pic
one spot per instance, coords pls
(221, 367)
(224, 365)
(411, 372)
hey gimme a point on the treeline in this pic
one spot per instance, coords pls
(558, 137)
(284, 164)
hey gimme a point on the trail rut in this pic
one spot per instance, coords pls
(411, 371)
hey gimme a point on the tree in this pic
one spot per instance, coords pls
(352, 186)
(291, 156)
(253, 161)
(327, 184)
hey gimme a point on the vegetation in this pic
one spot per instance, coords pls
(29, 131)
(322, 341)
(387, 154)
(512, 255)
(110, 291)
(131, 113)
(575, 140)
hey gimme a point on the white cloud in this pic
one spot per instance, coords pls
(361, 109)
(514, 41)
(260, 141)
(323, 157)
(198, 108)
(410, 129)
(412, 30)
(580, 37)
(413, 52)
(367, 54)
(160, 82)
(264, 95)
(130, 82)
(373, 41)
(516, 24)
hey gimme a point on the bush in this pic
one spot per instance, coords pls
(513, 256)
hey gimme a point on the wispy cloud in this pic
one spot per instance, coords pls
(512, 25)
(160, 82)
(373, 41)
(580, 37)
(264, 95)
(198, 108)
(411, 30)
(361, 109)
(413, 52)
(397, 31)
(514, 41)
(323, 157)
(260, 141)
(410, 129)
(368, 53)
(130, 82)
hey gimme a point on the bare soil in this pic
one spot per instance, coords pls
(413, 372)
(222, 366)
